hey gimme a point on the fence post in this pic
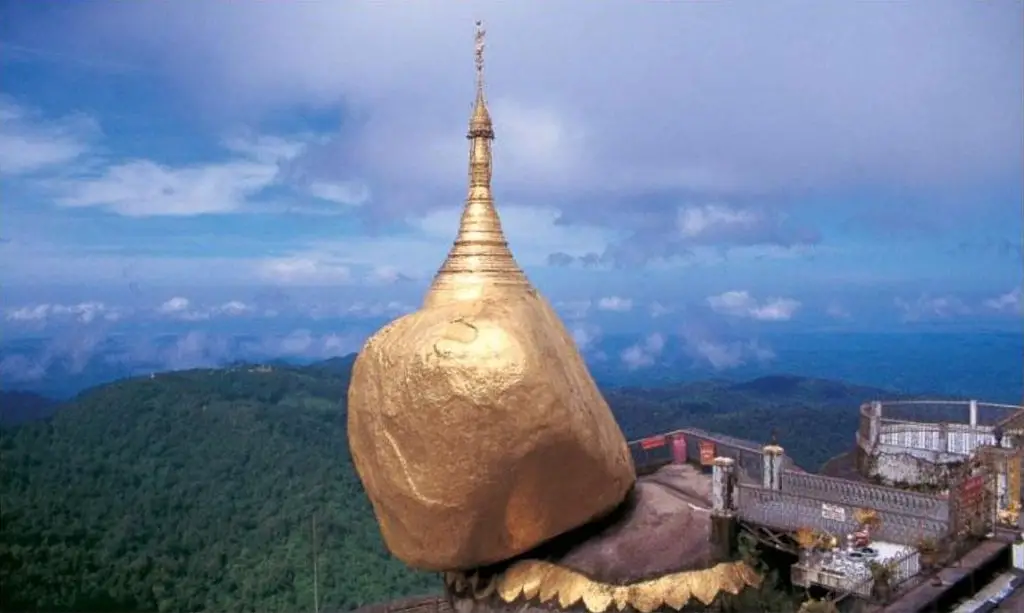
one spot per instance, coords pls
(974, 413)
(723, 521)
(876, 422)
(722, 484)
(771, 472)
(1001, 462)
(872, 412)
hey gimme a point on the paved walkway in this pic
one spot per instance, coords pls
(978, 602)
(684, 482)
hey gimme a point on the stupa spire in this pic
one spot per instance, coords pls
(480, 257)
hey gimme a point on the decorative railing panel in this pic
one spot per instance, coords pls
(858, 494)
(930, 437)
(790, 511)
(904, 567)
(960, 439)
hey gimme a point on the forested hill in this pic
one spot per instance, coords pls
(198, 490)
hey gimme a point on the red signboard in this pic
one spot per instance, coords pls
(679, 449)
(652, 443)
(972, 489)
(707, 453)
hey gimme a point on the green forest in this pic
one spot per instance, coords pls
(215, 490)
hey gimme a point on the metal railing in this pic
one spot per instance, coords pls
(901, 569)
(948, 411)
(655, 451)
(788, 511)
(955, 427)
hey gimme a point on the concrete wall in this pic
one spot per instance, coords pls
(899, 465)
(922, 453)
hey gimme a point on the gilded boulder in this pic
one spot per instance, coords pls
(478, 432)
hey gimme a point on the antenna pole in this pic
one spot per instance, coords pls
(316, 594)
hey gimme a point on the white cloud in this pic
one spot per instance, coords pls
(837, 311)
(31, 143)
(533, 232)
(742, 304)
(1010, 302)
(927, 307)
(182, 308)
(644, 353)
(174, 305)
(312, 269)
(615, 303)
(694, 221)
(83, 312)
(388, 275)
(143, 188)
(660, 310)
(541, 143)
(585, 336)
(234, 308)
(724, 355)
(347, 193)
(391, 308)
(193, 349)
(573, 309)
(267, 148)
(751, 84)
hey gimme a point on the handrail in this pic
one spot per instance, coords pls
(981, 420)
(698, 433)
(936, 424)
(909, 525)
(997, 405)
(804, 496)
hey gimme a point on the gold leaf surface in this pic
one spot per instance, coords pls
(545, 581)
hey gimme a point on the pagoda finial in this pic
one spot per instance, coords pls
(480, 123)
(480, 257)
(480, 34)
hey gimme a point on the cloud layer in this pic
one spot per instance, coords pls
(713, 124)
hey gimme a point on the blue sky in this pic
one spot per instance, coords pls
(659, 167)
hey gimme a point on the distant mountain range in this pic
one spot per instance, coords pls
(20, 407)
(197, 490)
(987, 366)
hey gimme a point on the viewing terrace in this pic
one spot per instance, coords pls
(930, 479)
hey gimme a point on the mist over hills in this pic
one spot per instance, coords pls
(197, 490)
(981, 365)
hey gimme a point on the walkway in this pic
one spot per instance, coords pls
(988, 597)
(923, 596)
(1013, 604)
(415, 604)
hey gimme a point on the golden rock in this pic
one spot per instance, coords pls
(474, 424)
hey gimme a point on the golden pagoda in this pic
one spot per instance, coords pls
(460, 413)
(488, 452)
